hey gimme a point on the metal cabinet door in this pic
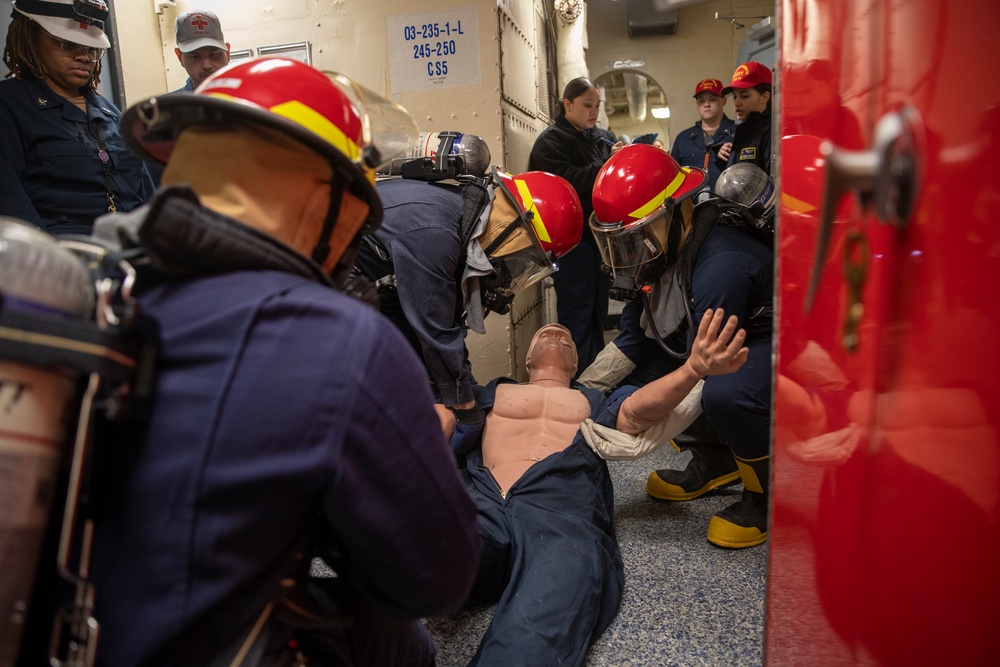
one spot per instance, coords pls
(886, 469)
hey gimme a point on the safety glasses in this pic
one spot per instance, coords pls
(72, 49)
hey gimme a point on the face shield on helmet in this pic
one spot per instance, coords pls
(355, 129)
(634, 197)
(749, 186)
(536, 218)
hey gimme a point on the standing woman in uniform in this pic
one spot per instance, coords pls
(63, 162)
(751, 89)
(576, 150)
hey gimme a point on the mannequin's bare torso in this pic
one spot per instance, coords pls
(528, 423)
(532, 421)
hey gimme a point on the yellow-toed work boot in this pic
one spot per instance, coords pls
(744, 524)
(710, 467)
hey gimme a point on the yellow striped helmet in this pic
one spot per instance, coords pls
(356, 129)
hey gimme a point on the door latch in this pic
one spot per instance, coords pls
(884, 177)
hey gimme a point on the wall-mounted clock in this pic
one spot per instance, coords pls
(569, 10)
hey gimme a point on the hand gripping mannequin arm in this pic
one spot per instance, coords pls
(654, 414)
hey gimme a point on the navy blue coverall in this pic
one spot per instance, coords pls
(422, 232)
(550, 555)
(283, 409)
(51, 174)
(735, 272)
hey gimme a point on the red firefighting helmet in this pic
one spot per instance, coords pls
(555, 212)
(638, 180)
(357, 130)
(535, 218)
(634, 197)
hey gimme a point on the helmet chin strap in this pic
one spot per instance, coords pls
(322, 249)
(348, 219)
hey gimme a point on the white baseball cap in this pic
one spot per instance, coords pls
(78, 21)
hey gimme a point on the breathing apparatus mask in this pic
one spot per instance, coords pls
(438, 156)
(748, 186)
(636, 254)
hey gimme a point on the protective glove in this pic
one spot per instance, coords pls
(606, 371)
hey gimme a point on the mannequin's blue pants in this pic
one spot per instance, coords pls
(550, 559)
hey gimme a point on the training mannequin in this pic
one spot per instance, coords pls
(545, 500)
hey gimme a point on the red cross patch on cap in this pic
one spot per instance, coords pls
(196, 29)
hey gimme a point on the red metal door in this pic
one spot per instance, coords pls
(886, 470)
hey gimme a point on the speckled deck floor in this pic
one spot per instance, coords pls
(686, 603)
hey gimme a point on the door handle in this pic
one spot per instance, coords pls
(884, 177)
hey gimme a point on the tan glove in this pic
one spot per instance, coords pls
(609, 368)
(613, 445)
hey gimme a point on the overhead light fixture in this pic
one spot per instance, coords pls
(660, 112)
(623, 64)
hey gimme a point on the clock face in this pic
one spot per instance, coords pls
(569, 9)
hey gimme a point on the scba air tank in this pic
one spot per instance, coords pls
(37, 277)
(473, 151)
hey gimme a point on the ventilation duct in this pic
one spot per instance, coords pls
(645, 18)
(635, 93)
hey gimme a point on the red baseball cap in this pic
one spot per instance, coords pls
(748, 75)
(708, 86)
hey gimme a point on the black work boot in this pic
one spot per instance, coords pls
(710, 467)
(700, 432)
(744, 524)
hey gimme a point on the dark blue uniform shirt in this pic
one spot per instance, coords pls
(690, 148)
(51, 174)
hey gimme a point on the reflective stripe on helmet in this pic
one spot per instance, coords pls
(536, 220)
(658, 200)
(310, 119)
(315, 122)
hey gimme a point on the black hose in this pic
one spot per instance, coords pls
(656, 334)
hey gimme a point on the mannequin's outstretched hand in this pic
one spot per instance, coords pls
(718, 349)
